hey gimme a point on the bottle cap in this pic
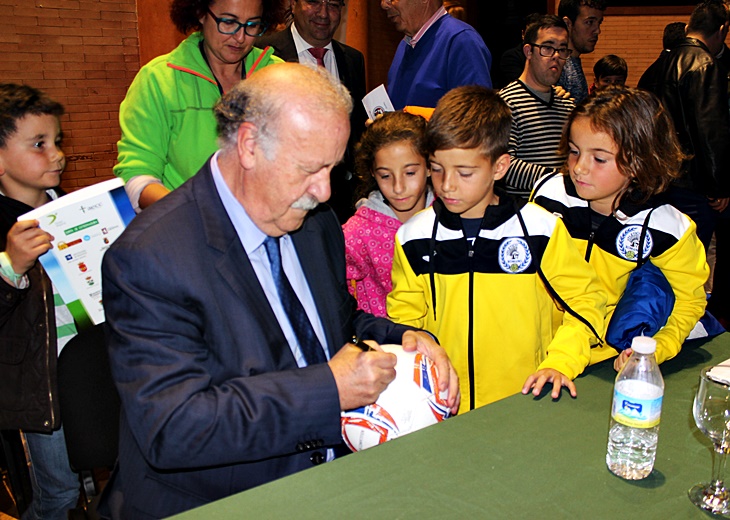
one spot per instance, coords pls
(643, 345)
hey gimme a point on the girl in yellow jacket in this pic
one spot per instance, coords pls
(622, 154)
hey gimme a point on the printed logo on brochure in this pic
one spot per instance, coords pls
(98, 205)
(65, 245)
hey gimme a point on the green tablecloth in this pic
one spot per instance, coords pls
(520, 457)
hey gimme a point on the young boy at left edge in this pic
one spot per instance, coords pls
(34, 322)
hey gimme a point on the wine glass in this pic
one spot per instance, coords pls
(711, 411)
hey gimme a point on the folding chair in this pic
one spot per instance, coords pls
(89, 407)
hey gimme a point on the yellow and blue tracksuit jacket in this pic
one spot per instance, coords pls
(612, 249)
(485, 300)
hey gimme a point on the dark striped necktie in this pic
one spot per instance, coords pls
(308, 341)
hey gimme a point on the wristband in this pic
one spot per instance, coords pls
(6, 268)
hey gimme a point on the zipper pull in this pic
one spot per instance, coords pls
(590, 245)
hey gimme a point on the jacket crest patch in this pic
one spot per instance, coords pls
(514, 255)
(627, 243)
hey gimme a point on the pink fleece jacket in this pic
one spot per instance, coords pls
(369, 244)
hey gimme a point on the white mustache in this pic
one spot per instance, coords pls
(306, 202)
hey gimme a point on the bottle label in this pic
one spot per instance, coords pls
(637, 406)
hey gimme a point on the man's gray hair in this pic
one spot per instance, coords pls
(262, 99)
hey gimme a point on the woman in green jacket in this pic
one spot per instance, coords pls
(168, 128)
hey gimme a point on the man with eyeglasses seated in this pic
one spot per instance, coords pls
(438, 53)
(538, 113)
(166, 118)
(309, 40)
(584, 19)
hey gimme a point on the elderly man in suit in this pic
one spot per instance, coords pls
(309, 40)
(228, 312)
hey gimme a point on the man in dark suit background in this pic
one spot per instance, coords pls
(692, 83)
(311, 32)
(219, 392)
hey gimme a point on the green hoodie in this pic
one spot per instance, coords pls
(167, 122)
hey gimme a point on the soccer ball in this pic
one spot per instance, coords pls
(410, 402)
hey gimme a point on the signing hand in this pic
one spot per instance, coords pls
(548, 375)
(361, 376)
(426, 345)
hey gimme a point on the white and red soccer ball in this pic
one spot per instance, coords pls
(410, 402)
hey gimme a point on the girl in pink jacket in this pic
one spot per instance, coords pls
(391, 162)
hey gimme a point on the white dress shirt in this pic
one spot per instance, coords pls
(252, 240)
(330, 63)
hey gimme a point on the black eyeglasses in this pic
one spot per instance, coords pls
(332, 5)
(548, 51)
(253, 27)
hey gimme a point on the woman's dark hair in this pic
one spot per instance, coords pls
(393, 127)
(648, 150)
(186, 14)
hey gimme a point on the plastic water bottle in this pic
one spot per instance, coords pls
(635, 414)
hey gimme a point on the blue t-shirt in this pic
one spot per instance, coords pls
(573, 79)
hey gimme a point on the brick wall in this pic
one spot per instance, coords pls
(83, 53)
(637, 39)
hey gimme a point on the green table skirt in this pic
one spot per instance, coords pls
(522, 457)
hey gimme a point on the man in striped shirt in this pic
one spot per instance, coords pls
(538, 113)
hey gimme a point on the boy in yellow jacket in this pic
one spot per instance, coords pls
(483, 271)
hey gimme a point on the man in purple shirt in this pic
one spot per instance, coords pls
(437, 54)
